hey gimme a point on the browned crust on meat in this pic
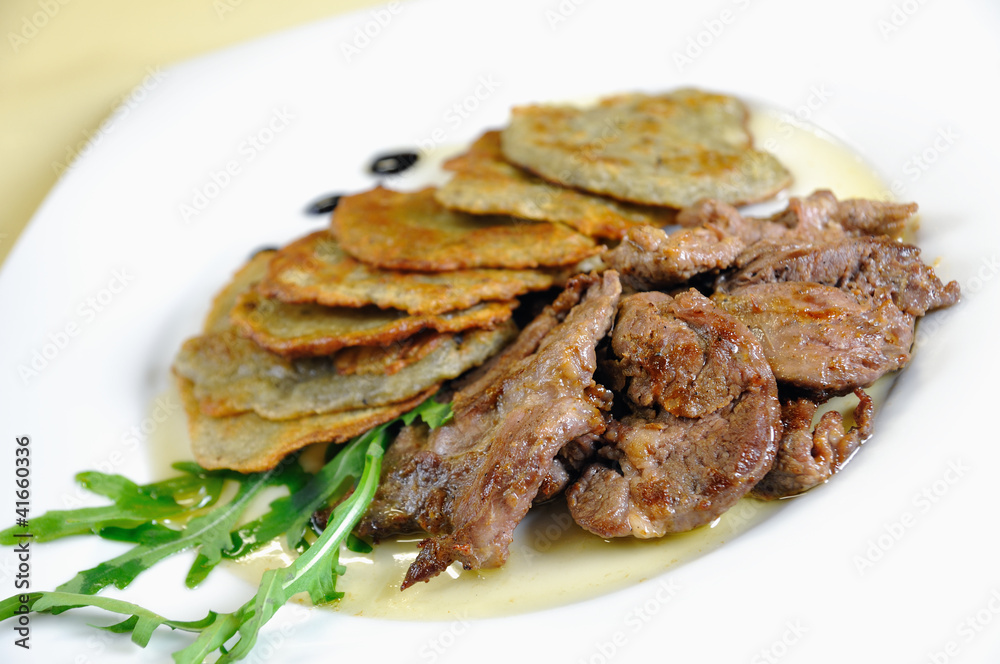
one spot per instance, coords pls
(861, 265)
(854, 214)
(807, 459)
(471, 481)
(821, 339)
(650, 257)
(715, 236)
(714, 438)
(531, 411)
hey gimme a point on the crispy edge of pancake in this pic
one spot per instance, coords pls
(315, 269)
(704, 152)
(382, 360)
(244, 279)
(412, 231)
(248, 443)
(233, 375)
(350, 360)
(485, 183)
(262, 320)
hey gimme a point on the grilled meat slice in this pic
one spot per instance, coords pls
(860, 265)
(808, 458)
(471, 481)
(715, 236)
(706, 425)
(820, 339)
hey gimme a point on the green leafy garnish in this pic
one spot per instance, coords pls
(290, 515)
(133, 506)
(208, 533)
(349, 481)
(141, 623)
(314, 572)
(433, 414)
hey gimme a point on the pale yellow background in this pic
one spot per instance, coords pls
(60, 80)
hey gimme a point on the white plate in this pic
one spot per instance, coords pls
(897, 80)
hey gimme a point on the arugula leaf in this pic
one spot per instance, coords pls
(209, 533)
(133, 506)
(433, 413)
(134, 517)
(141, 623)
(291, 514)
(314, 572)
(133, 535)
(358, 545)
(288, 473)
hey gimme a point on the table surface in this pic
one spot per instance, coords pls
(66, 65)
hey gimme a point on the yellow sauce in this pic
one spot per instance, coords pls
(553, 561)
(169, 442)
(815, 159)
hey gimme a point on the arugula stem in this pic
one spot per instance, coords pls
(355, 507)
